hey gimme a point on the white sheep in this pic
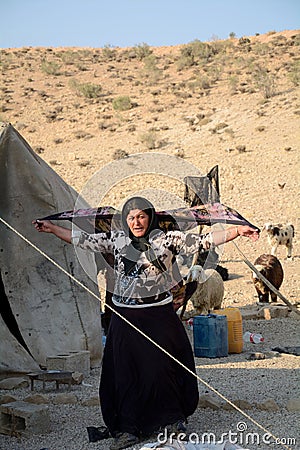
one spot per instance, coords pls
(209, 293)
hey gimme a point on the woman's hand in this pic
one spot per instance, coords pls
(251, 233)
(45, 226)
(222, 236)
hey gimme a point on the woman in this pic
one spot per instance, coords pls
(143, 390)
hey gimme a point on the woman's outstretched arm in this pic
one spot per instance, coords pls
(221, 236)
(46, 226)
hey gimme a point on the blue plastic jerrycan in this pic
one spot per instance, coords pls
(210, 333)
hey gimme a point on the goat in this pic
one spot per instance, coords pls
(280, 235)
(209, 292)
(270, 267)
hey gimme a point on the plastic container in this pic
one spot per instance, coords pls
(255, 338)
(210, 336)
(235, 328)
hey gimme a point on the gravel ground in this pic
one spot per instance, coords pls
(235, 377)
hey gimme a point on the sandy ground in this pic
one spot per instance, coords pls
(253, 139)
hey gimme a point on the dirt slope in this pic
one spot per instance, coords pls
(234, 103)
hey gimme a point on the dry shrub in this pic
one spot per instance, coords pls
(122, 103)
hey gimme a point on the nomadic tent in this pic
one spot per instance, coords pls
(42, 311)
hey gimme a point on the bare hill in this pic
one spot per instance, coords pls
(234, 103)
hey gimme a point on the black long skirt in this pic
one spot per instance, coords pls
(141, 388)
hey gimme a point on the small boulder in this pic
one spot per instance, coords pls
(65, 399)
(13, 383)
(93, 401)
(268, 405)
(293, 405)
(242, 404)
(37, 399)
(7, 399)
(207, 401)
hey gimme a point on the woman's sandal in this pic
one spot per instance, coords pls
(98, 433)
(175, 428)
(124, 440)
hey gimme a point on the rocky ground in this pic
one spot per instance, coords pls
(266, 390)
(238, 108)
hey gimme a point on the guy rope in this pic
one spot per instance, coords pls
(276, 439)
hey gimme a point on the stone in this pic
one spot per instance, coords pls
(273, 311)
(65, 399)
(293, 405)
(13, 383)
(268, 405)
(20, 417)
(37, 399)
(93, 401)
(77, 378)
(207, 401)
(272, 354)
(7, 399)
(242, 404)
(268, 311)
(249, 314)
(70, 362)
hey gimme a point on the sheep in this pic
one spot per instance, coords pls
(280, 235)
(208, 294)
(270, 267)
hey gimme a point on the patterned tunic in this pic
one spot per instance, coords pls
(146, 285)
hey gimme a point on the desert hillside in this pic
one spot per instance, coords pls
(234, 103)
(91, 113)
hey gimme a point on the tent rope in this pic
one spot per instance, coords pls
(264, 279)
(276, 439)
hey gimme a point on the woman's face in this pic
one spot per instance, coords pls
(138, 222)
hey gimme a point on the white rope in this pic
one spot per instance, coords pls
(264, 279)
(143, 334)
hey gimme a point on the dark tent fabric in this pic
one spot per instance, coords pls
(42, 311)
(202, 190)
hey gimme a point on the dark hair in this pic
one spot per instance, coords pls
(136, 203)
(144, 205)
